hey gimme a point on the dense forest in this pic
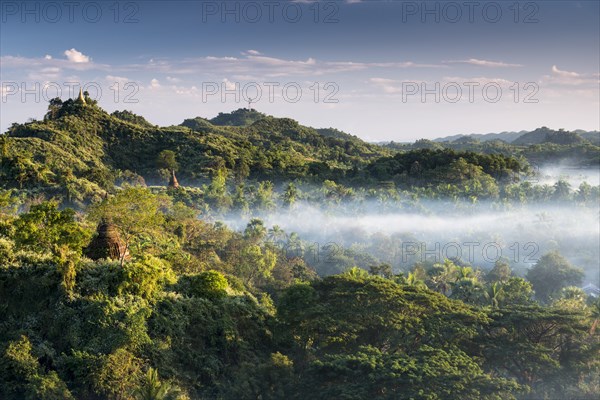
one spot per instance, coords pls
(141, 262)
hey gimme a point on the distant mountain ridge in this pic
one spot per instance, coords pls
(484, 137)
(538, 136)
(546, 135)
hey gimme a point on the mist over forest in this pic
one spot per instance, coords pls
(479, 235)
(575, 176)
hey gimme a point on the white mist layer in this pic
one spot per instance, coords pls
(575, 176)
(479, 236)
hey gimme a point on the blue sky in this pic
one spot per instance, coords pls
(386, 70)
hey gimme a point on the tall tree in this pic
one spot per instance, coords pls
(134, 211)
(552, 273)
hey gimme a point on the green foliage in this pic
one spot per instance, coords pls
(531, 343)
(552, 273)
(45, 228)
(501, 272)
(153, 389)
(23, 377)
(167, 159)
(129, 116)
(239, 117)
(427, 373)
(134, 211)
(119, 376)
(209, 284)
(474, 174)
(370, 337)
(146, 277)
(79, 152)
(516, 291)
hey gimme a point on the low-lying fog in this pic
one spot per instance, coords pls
(575, 176)
(479, 235)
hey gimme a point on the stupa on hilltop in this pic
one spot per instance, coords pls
(81, 97)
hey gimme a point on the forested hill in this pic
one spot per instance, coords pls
(84, 141)
(537, 136)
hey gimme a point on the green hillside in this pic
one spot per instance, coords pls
(90, 149)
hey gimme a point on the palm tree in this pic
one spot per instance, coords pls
(154, 389)
(413, 280)
(357, 273)
(441, 281)
(255, 230)
(276, 235)
(465, 273)
(494, 294)
(573, 293)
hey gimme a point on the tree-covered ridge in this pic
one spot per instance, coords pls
(541, 146)
(201, 311)
(537, 136)
(545, 135)
(239, 117)
(93, 146)
(434, 166)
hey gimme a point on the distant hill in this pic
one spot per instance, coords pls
(538, 136)
(593, 136)
(336, 133)
(546, 135)
(504, 136)
(198, 124)
(240, 117)
(129, 116)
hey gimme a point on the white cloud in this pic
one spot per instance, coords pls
(264, 66)
(76, 56)
(390, 86)
(186, 91)
(445, 85)
(44, 73)
(569, 74)
(484, 63)
(252, 64)
(154, 83)
(35, 64)
(570, 78)
(229, 85)
(480, 80)
(119, 79)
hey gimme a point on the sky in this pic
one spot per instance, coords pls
(381, 70)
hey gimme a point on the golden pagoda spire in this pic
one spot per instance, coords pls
(81, 98)
(173, 183)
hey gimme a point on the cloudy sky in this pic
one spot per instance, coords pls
(382, 70)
